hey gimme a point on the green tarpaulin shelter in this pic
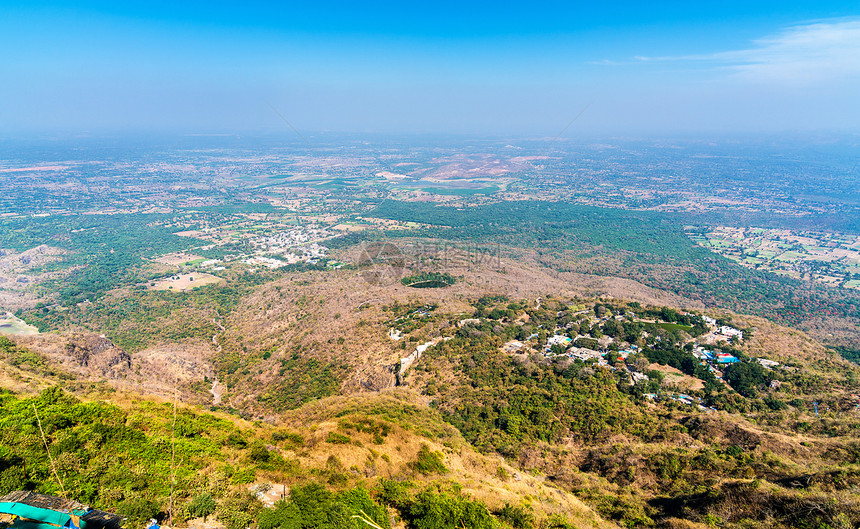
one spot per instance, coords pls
(40, 511)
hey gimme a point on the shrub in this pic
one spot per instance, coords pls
(238, 511)
(200, 506)
(428, 462)
(444, 511)
(556, 521)
(338, 438)
(394, 493)
(291, 438)
(259, 453)
(516, 517)
(242, 476)
(138, 511)
(235, 440)
(12, 478)
(775, 404)
(312, 506)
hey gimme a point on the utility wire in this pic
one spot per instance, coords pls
(45, 442)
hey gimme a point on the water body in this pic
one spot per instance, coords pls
(9, 324)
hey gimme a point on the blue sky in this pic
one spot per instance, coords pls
(507, 68)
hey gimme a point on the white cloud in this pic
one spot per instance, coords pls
(809, 53)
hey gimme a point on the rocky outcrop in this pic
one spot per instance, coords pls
(98, 354)
(377, 379)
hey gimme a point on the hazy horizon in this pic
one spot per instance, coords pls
(538, 70)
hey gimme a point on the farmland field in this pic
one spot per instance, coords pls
(824, 257)
(182, 282)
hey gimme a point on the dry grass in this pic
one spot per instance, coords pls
(18, 281)
(22, 382)
(487, 478)
(321, 309)
(675, 377)
(157, 371)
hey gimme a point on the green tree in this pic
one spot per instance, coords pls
(444, 511)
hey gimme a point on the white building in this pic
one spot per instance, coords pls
(559, 339)
(730, 332)
(513, 346)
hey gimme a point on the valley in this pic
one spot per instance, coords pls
(422, 338)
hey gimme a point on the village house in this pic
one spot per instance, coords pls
(730, 332)
(559, 339)
(513, 346)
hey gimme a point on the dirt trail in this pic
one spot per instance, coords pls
(215, 336)
(217, 388)
(217, 391)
